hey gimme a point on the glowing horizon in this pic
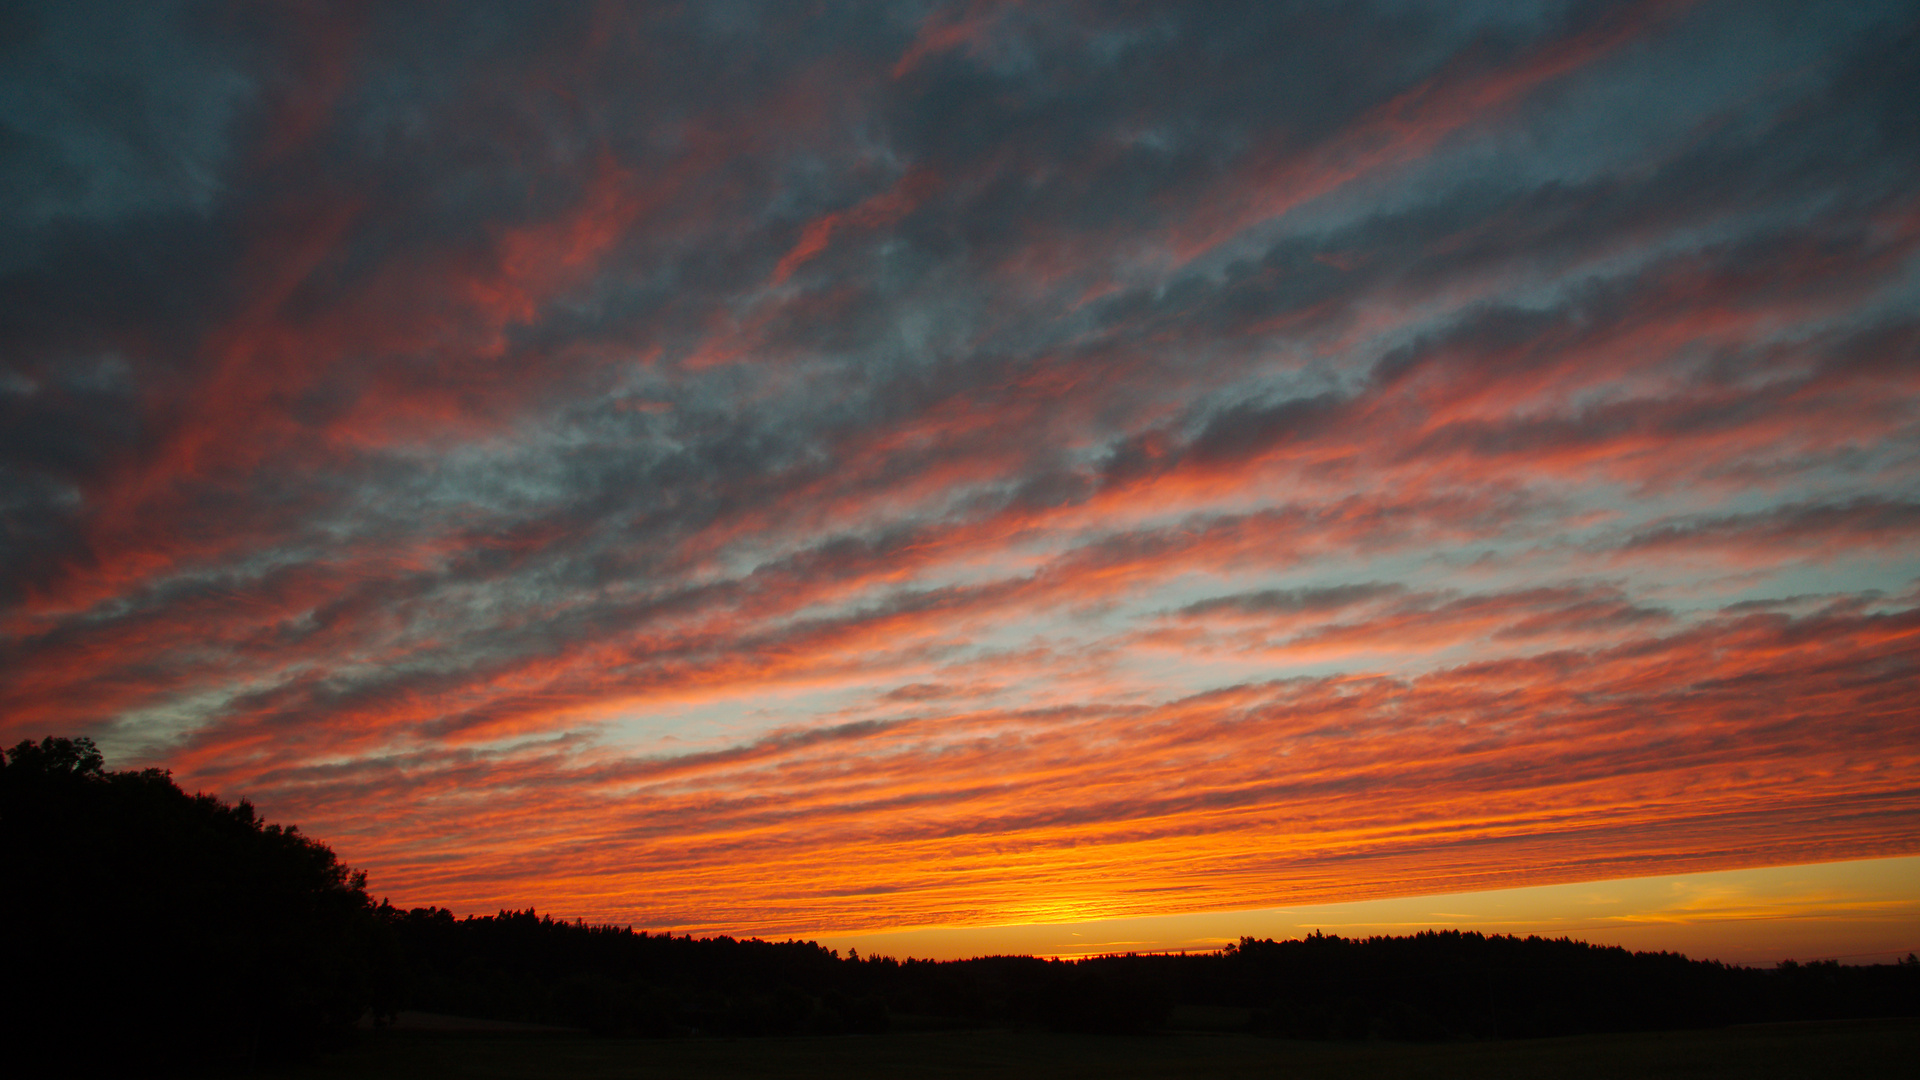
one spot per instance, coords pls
(1847, 911)
(817, 473)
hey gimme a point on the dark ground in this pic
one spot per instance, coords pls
(1857, 1050)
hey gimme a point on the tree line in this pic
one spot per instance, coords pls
(160, 927)
(1434, 985)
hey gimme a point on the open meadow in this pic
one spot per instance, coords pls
(1856, 1050)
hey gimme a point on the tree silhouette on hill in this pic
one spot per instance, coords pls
(153, 927)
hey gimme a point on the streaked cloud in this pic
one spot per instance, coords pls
(790, 471)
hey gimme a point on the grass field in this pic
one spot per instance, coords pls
(1855, 1050)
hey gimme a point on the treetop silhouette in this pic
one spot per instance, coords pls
(166, 926)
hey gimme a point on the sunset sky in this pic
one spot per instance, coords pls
(842, 470)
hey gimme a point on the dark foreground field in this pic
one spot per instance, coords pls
(1877, 1048)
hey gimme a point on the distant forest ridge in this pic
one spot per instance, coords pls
(1434, 985)
(207, 933)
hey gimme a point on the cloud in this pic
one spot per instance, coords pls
(1862, 524)
(1126, 458)
(1562, 763)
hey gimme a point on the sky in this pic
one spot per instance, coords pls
(844, 470)
(1856, 912)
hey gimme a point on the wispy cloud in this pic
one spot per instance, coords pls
(778, 470)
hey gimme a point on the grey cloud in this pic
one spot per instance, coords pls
(1293, 601)
(1813, 526)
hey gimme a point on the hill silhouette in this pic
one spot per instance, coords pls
(158, 928)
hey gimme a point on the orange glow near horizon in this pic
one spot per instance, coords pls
(1864, 912)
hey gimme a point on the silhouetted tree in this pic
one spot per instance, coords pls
(150, 927)
(518, 965)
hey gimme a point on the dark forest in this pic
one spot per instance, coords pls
(157, 927)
